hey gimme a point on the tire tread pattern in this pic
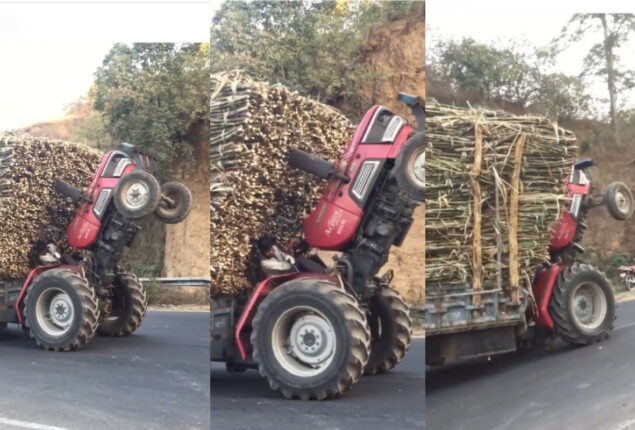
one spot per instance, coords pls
(358, 354)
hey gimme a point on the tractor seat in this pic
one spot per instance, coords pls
(584, 163)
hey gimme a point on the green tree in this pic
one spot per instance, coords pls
(314, 47)
(155, 95)
(614, 31)
(509, 76)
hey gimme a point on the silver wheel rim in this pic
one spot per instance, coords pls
(622, 202)
(303, 341)
(589, 306)
(54, 311)
(630, 282)
(417, 167)
(135, 194)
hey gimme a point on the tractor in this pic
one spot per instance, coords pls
(312, 334)
(80, 291)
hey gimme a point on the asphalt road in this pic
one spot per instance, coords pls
(561, 388)
(158, 378)
(392, 401)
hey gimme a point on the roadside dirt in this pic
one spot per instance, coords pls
(397, 52)
(606, 235)
(187, 243)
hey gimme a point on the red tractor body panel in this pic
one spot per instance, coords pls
(543, 286)
(564, 231)
(262, 289)
(19, 304)
(82, 232)
(335, 220)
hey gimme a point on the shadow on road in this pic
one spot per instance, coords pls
(395, 400)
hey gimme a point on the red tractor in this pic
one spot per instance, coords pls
(69, 298)
(313, 334)
(575, 301)
(570, 300)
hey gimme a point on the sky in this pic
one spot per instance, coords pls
(496, 21)
(37, 79)
(50, 51)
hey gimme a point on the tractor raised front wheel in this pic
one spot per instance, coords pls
(137, 194)
(582, 305)
(310, 339)
(176, 202)
(391, 330)
(61, 310)
(129, 305)
(410, 165)
(619, 200)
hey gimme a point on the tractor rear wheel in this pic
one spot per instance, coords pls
(582, 305)
(61, 310)
(409, 169)
(129, 304)
(310, 339)
(390, 328)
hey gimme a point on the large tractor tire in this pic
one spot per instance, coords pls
(61, 310)
(582, 305)
(176, 202)
(390, 328)
(619, 200)
(310, 339)
(409, 169)
(129, 305)
(137, 194)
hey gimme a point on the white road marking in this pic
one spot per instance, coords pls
(624, 326)
(28, 425)
(625, 425)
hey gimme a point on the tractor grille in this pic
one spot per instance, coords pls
(364, 179)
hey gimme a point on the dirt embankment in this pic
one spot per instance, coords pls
(606, 236)
(397, 52)
(187, 247)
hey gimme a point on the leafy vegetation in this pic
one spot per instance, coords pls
(512, 77)
(155, 95)
(614, 30)
(314, 47)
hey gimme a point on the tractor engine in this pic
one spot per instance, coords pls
(386, 223)
(116, 233)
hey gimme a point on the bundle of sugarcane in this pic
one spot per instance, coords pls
(496, 185)
(32, 213)
(253, 190)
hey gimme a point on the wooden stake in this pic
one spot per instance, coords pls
(477, 257)
(513, 220)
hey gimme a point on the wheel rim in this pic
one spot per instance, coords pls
(54, 311)
(416, 166)
(135, 194)
(303, 341)
(589, 306)
(169, 202)
(622, 202)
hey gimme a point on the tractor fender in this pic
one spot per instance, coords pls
(262, 289)
(19, 304)
(543, 288)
